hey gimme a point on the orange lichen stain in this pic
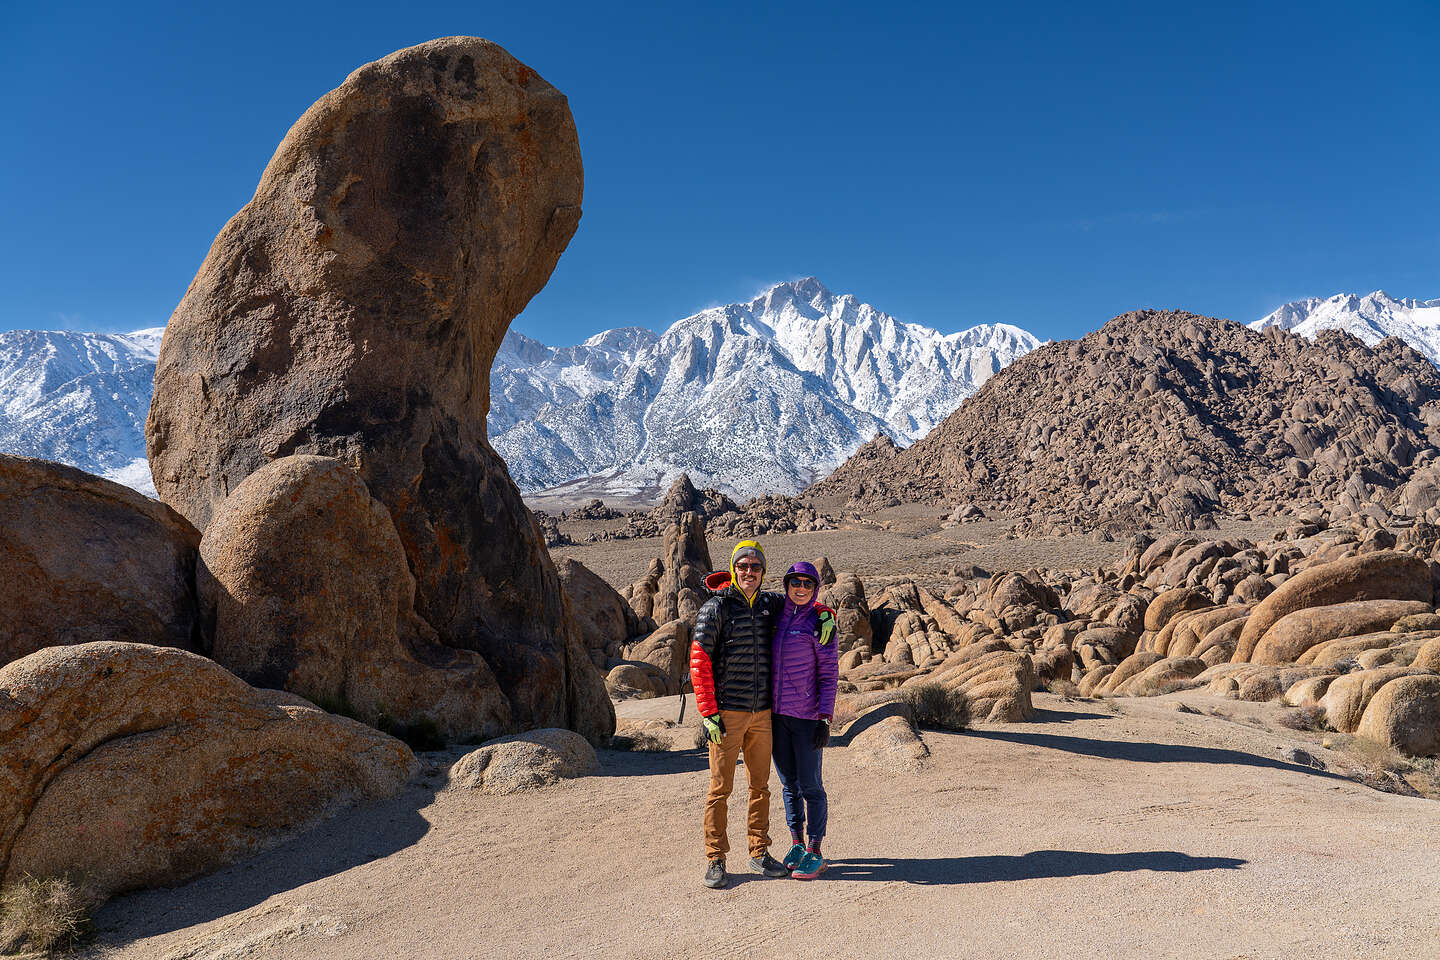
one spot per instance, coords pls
(523, 75)
(448, 548)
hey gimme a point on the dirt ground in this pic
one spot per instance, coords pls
(1105, 829)
(908, 542)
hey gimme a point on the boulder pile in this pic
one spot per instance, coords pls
(1161, 419)
(721, 516)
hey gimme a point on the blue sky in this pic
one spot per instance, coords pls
(951, 164)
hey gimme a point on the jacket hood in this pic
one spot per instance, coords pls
(802, 569)
(744, 548)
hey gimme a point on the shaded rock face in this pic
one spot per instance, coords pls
(603, 617)
(353, 309)
(304, 584)
(84, 559)
(133, 766)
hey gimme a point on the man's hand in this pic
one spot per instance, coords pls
(822, 733)
(714, 728)
(827, 623)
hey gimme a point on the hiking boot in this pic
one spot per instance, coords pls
(810, 867)
(715, 877)
(768, 865)
(793, 858)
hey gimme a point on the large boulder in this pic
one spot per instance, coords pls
(668, 650)
(1405, 714)
(1168, 603)
(533, 759)
(85, 559)
(1347, 697)
(605, 620)
(132, 766)
(853, 631)
(1385, 575)
(1295, 633)
(305, 587)
(353, 309)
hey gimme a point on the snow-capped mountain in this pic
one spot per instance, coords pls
(756, 397)
(753, 398)
(79, 398)
(1370, 319)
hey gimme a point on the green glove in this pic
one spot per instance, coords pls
(827, 626)
(714, 728)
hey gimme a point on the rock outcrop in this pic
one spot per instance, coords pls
(353, 309)
(305, 588)
(605, 620)
(133, 766)
(84, 559)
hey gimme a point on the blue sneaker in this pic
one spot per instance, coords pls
(810, 867)
(793, 858)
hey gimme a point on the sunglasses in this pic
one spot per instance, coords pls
(750, 567)
(803, 582)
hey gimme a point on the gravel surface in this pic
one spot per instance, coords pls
(1115, 829)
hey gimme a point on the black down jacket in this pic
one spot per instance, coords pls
(730, 654)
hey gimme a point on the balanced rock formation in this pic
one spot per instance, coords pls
(132, 766)
(1161, 418)
(353, 309)
(84, 559)
(305, 587)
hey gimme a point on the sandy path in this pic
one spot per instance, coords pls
(1147, 834)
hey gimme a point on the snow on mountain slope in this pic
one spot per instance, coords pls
(758, 397)
(79, 398)
(1369, 319)
(753, 398)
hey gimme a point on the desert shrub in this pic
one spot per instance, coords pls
(639, 741)
(42, 914)
(936, 705)
(1062, 687)
(1158, 688)
(1377, 756)
(1308, 717)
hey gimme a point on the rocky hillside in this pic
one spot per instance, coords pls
(751, 398)
(1164, 417)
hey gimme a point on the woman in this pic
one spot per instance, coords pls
(805, 669)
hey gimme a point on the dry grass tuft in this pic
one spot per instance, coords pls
(1062, 687)
(1308, 717)
(639, 741)
(42, 914)
(937, 706)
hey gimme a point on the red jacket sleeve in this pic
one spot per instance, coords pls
(702, 671)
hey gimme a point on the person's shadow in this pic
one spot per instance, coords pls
(1034, 865)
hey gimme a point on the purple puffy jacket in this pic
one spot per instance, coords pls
(804, 674)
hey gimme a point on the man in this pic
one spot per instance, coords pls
(730, 670)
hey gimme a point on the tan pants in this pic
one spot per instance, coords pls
(749, 732)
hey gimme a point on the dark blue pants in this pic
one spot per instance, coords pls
(798, 762)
